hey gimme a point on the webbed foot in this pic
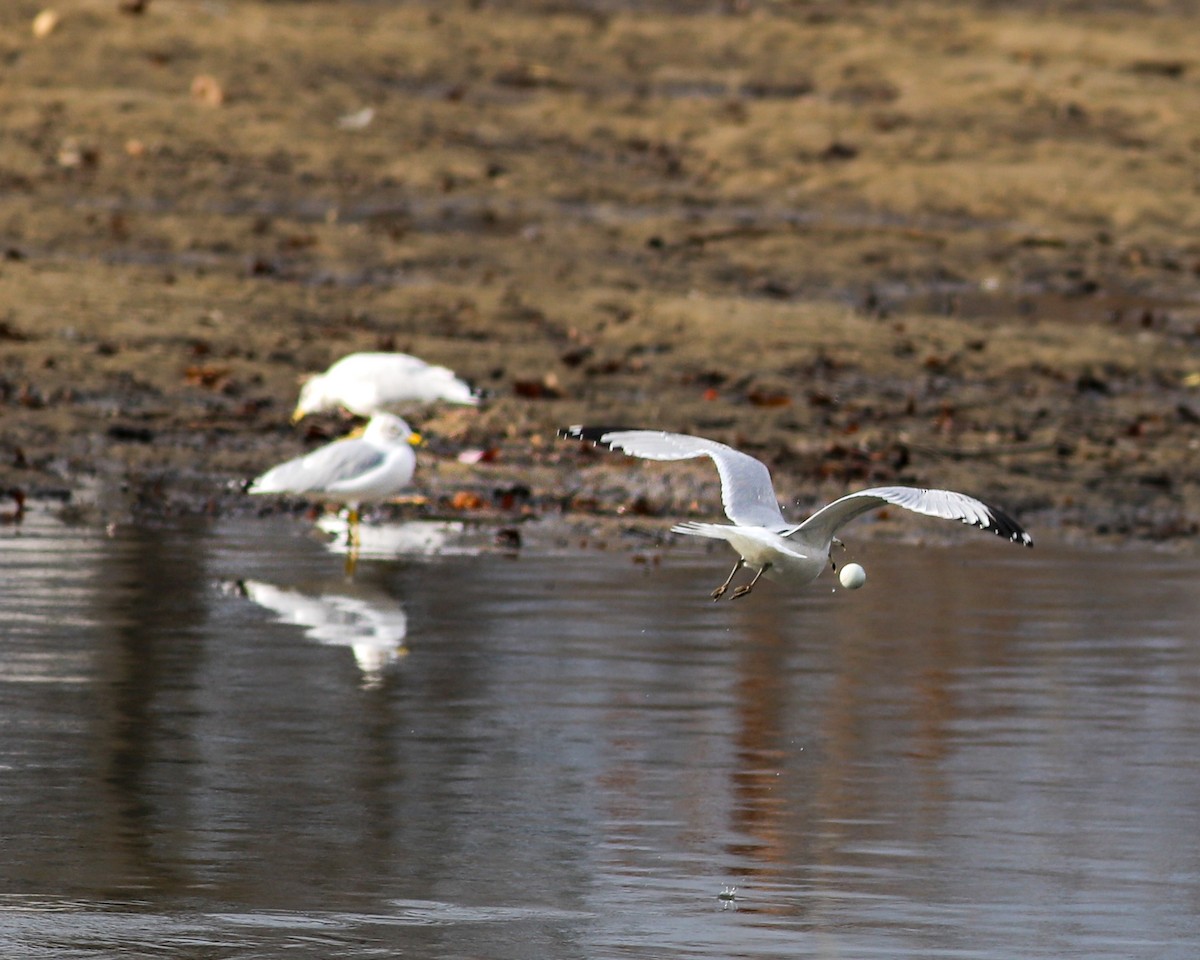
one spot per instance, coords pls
(720, 591)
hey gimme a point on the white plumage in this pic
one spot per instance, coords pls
(370, 383)
(759, 533)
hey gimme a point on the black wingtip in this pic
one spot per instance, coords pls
(1005, 526)
(479, 395)
(592, 434)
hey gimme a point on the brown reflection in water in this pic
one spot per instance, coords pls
(152, 590)
(868, 687)
(762, 688)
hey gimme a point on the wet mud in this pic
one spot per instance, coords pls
(946, 244)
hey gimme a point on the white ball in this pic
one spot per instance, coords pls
(852, 576)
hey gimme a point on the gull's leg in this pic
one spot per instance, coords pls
(720, 591)
(745, 588)
(354, 541)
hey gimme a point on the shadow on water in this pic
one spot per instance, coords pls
(983, 753)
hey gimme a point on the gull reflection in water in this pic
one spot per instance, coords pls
(387, 541)
(365, 619)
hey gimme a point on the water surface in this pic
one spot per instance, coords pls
(213, 744)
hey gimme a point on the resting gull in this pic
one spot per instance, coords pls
(369, 383)
(764, 540)
(353, 470)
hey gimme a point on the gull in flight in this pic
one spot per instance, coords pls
(764, 540)
(371, 383)
(353, 470)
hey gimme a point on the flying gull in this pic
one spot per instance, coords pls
(764, 540)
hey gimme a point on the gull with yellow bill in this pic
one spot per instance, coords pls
(375, 466)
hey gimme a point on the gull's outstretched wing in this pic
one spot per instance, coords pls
(947, 504)
(322, 470)
(746, 490)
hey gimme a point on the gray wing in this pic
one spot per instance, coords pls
(746, 490)
(322, 469)
(947, 504)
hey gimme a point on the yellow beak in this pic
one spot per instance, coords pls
(297, 415)
(416, 440)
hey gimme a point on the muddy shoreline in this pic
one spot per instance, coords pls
(944, 244)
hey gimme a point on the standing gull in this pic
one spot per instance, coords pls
(765, 541)
(370, 383)
(354, 470)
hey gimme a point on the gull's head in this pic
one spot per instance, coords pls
(387, 428)
(312, 398)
